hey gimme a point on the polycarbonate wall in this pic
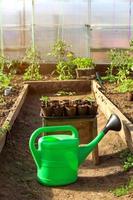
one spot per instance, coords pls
(111, 26)
(62, 19)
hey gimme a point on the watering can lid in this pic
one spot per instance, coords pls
(58, 139)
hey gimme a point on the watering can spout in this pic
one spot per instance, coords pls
(112, 124)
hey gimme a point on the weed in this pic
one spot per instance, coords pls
(124, 189)
(127, 160)
(120, 191)
(65, 93)
(126, 86)
(110, 77)
(5, 81)
(44, 99)
(84, 63)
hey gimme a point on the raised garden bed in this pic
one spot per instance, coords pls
(123, 101)
(111, 103)
(10, 111)
(84, 86)
(17, 98)
(7, 101)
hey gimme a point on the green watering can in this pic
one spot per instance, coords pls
(58, 157)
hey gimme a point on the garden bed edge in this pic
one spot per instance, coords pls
(107, 107)
(14, 111)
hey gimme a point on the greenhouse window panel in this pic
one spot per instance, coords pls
(109, 26)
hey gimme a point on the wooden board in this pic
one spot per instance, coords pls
(13, 115)
(108, 108)
(53, 86)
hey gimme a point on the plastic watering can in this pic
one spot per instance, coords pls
(58, 157)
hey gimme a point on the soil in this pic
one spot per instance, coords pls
(17, 84)
(120, 100)
(18, 171)
(9, 100)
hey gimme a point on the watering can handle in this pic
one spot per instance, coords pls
(50, 129)
(47, 129)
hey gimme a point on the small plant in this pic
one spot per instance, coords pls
(90, 99)
(5, 76)
(59, 50)
(127, 160)
(124, 189)
(84, 63)
(8, 67)
(65, 67)
(33, 59)
(121, 64)
(119, 61)
(109, 77)
(114, 62)
(44, 100)
(120, 191)
(65, 93)
(14, 66)
(65, 70)
(5, 80)
(126, 86)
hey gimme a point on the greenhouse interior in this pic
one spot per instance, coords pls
(66, 99)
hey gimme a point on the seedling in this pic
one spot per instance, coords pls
(84, 63)
(124, 189)
(5, 81)
(65, 93)
(90, 99)
(44, 100)
(127, 160)
(126, 86)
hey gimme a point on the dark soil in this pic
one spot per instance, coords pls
(9, 100)
(18, 171)
(120, 100)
